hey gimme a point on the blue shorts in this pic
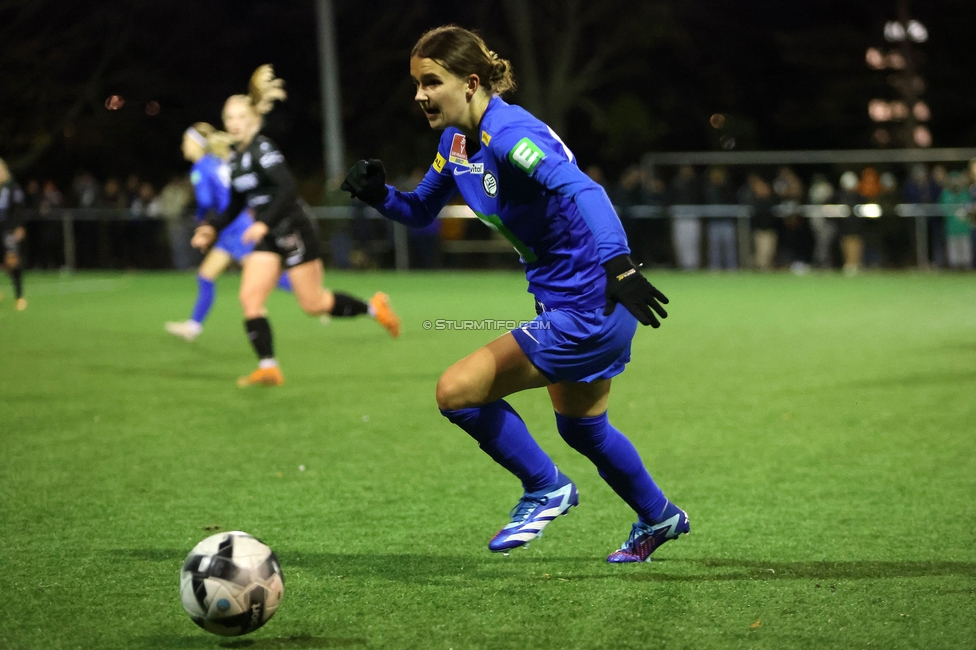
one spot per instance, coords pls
(230, 237)
(578, 346)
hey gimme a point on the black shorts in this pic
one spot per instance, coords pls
(294, 239)
(10, 244)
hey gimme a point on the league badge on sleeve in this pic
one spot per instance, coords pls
(459, 152)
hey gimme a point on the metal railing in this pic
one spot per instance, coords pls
(920, 212)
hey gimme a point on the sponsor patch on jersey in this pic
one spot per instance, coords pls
(271, 159)
(477, 168)
(490, 183)
(439, 163)
(485, 138)
(526, 155)
(459, 152)
(246, 182)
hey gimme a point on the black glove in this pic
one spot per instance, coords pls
(366, 181)
(626, 285)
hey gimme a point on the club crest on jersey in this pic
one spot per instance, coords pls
(490, 183)
(459, 152)
(439, 163)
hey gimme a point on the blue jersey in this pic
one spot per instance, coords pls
(524, 183)
(211, 184)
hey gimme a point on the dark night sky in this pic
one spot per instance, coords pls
(787, 74)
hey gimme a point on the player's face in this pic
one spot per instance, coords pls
(192, 150)
(441, 95)
(240, 121)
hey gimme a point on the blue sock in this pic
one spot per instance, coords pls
(283, 282)
(502, 434)
(617, 461)
(205, 297)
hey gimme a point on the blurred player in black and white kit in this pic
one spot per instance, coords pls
(12, 232)
(283, 235)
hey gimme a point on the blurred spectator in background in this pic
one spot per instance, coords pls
(627, 193)
(920, 188)
(84, 190)
(424, 243)
(686, 228)
(851, 242)
(48, 248)
(824, 228)
(795, 241)
(174, 203)
(131, 191)
(895, 231)
(937, 240)
(139, 229)
(145, 204)
(32, 194)
(758, 195)
(955, 198)
(722, 241)
(870, 189)
(595, 172)
(112, 196)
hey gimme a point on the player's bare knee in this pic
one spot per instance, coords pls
(311, 307)
(452, 393)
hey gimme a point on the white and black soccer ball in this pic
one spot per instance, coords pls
(231, 584)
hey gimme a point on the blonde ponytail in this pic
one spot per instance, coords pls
(265, 89)
(218, 142)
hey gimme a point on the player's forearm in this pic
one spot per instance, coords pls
(407, 208)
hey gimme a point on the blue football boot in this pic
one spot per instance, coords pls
(533, 512)
(646, 538)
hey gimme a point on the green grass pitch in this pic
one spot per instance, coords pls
(819, 430)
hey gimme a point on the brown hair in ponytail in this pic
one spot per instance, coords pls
(462, 52)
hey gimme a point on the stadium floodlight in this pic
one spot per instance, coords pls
(895, 60)
(917, 31)
(922, 136)
(717, 121)
(899, 110)
(874, 58)
(921, 112)
(894, 31)
(879, 110)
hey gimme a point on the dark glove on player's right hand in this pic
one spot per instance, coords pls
(626, 285)
(366, 181)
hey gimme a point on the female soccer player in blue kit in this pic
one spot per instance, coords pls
(520, 179)
(207, 148)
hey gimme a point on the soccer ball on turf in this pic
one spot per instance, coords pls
(231, 584)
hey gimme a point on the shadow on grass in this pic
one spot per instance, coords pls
(283, 642)
(427, 569)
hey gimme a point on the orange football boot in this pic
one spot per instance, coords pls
(384, 314)
(262, 377)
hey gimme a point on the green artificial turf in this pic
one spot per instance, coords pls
(819, 430)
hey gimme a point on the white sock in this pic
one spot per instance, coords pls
(267, 363)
